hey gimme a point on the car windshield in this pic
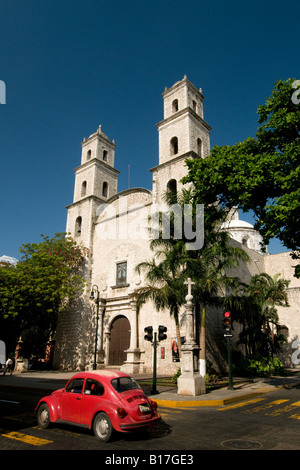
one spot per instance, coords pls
(123, 384)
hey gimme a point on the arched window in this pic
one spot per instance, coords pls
(174, 146)
(83, 189)
(105, 155)
(245, 240)
(89, 154)
(175, 106)
(172, 186)
(194, 106)
(78, 225)
(199, 147)
(105, 189)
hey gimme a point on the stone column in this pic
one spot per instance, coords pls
(190, 381)
(107, 335)
(133, 326)
(133, 362)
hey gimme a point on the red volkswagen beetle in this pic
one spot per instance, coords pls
(102, 400)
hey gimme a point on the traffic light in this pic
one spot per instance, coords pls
(227, 321)
(161, 333)
(149, 333)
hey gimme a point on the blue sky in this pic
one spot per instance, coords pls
(70, 66)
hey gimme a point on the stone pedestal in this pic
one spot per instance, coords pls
(190, 381)
(191, 385)
(21, 365)
(132, 365)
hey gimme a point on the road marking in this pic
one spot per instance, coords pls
(168, 414)
(34, 441)
(10, 401)
(265, 406)
(239, 405)
(284, 410)
(297, 403)
(180, 408)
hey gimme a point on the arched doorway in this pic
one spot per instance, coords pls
(119, 341)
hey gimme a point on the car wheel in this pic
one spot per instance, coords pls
(102, 427)
(43, 416)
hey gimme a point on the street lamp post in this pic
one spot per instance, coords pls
(97, 301)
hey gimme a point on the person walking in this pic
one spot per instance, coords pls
(8, 366)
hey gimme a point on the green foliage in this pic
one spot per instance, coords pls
(176, 375)
(165, 277)
(212, 377)
(258, 366)
(33, 292)
(173, 263)
(258, 316)
(260, 174)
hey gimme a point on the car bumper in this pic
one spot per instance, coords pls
(139, 425)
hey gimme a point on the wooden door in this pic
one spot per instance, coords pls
(119, 341)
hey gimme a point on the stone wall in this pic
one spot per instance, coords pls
(75, 337)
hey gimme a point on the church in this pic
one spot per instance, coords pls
(106, 329)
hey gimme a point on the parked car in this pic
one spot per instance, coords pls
(102, 400)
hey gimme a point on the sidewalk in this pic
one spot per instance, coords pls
(223, 396)
(48, 381)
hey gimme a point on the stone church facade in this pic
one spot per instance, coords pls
(114, 227)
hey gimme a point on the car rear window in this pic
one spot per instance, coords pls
(123, 384)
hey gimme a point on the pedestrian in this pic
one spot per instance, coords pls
(8, 366)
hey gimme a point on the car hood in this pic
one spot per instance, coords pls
(57, 392)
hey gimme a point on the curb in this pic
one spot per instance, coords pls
(215, 402)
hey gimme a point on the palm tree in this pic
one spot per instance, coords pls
(166, 273)
(165, 283)
(213, 285)
(207, 267)
(261, 317)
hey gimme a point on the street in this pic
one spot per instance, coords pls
(267, 422)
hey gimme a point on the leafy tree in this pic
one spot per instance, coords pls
(47, 278)
(260, 174)
(8, 305)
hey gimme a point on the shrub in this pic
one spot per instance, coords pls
(258, 366)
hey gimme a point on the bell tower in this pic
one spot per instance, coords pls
(96, 180)
(183, 134)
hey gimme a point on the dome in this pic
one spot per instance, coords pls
(8, 259)
(237, 223)
(243, 232)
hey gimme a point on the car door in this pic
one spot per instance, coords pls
(71, 401)
(91, 398)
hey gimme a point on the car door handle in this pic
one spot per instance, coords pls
(78, 398)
